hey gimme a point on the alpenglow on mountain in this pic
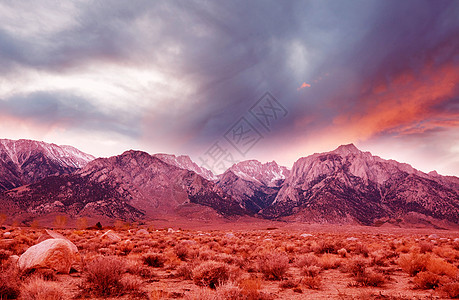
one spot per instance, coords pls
(345, 185)
(24, 161)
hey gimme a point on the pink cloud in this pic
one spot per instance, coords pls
(304, 85)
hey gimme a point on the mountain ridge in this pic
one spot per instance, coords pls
(345, 185)
(27, 161)
(348, 181)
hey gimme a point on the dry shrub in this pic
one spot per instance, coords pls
(313, 283)
(182, 251)
(311, 271)
(327, 246)
(274, 265)
(450, 289)
(456, 245)
(9, 282)
(227, 258)
(306, 260)
(185, 271)
(425, 247)
(329, 261)
(380, 258)
(172, 261)
(103, 275)
(370, 278)
(5, 254)
(250, 287)
(40, 289)
(131, 283)
(155, 260)
(228, 291)
(246, 290)
(361, 249)
(441, 267)
(45, 273)
(211, 274)
(288, 284)
(124, 248)
(139, 269)
(426, 280)
(356, 266)
(446, 253)
(206, 255)
(290, 248)
(20, 244)
(414, 263)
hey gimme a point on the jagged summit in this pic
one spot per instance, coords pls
(27, 161)
(185, 162)
(253, 184)
(253, 170)
(19, 151)
(348, 184)
(347, 149)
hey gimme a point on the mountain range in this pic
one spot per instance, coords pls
(24, 161)
(345, 185)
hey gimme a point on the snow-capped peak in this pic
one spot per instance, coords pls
(185, 162)
(267, 174)
(18, 151)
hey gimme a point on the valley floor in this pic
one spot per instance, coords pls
(242, 261)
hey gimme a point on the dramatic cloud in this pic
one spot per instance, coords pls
(175, 76)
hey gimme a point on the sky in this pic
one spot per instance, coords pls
(225, 81)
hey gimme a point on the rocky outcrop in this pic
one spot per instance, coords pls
(55, 254)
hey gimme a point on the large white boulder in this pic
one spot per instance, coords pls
(56, 254)
(111, 236)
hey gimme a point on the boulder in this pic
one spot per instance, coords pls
(55, 235)
(142, 232)
(56, 254)
(13, 259)
(111, 236)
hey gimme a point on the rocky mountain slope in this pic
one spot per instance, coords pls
(345, 185)
(185, 162)
(26, 161)
(134, 185)
(348, 185)
(253, 184)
